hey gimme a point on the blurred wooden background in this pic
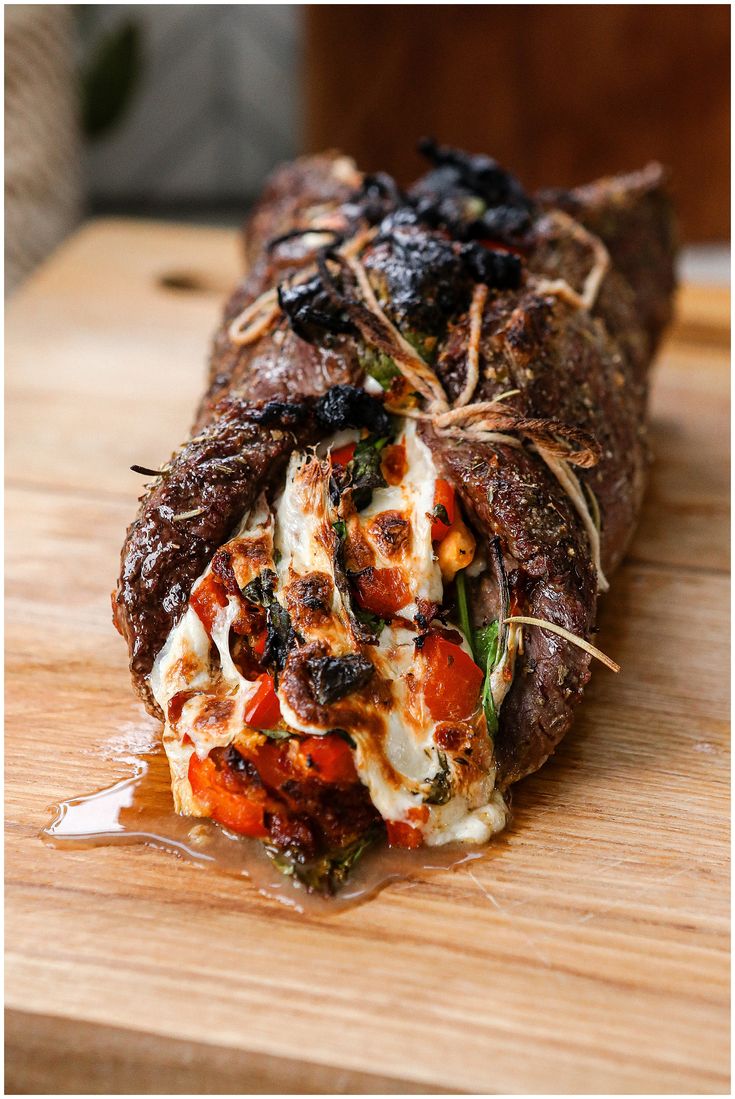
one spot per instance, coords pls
(559, 94)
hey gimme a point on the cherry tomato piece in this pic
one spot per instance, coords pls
(382, 591)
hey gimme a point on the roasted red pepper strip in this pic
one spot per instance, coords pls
(329, 758)
(343, 454)
(443, 497)
(401, 834)
(241, 808)
(263, 710)
(240, 811)
(207, 599)
(325, 758)
(453, 680)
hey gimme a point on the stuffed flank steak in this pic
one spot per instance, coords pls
(362, 596)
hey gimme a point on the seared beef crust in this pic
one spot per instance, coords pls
(632, 215)
(184, 518)
(585, 368)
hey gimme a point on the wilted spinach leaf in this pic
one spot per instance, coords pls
(486, 652)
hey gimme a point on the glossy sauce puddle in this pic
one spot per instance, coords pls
(138, 810)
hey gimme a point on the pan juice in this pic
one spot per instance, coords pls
(138, 809)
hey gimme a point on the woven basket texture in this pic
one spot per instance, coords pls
(42, 137)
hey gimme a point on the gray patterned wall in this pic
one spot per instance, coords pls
(216, 105)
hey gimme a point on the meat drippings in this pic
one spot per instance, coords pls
(139, 810)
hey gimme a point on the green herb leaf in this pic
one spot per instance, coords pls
(327, 874)
(488, 705)
(261, 589)
(340, 529)
(422, 342)
(440, 790)
(486, 645)
(486, 652)
(365, 471)
(341, 863)
(374, 622)
(460, 583)
(379, 366)
(276, 734)
(440, 512)
(253, 592)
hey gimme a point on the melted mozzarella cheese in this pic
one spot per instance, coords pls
(301, 515)
(458, 822)
(413, 498)
(396, 754)
(221, 636)
(183, 662)
(187, 663)
(408, 745)
(305, 543)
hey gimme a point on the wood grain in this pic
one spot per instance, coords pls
(588, 952)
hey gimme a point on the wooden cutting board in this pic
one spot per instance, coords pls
(588, 952)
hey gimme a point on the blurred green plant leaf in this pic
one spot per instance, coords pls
(109, 79)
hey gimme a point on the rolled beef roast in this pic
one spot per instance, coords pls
(362, 595)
